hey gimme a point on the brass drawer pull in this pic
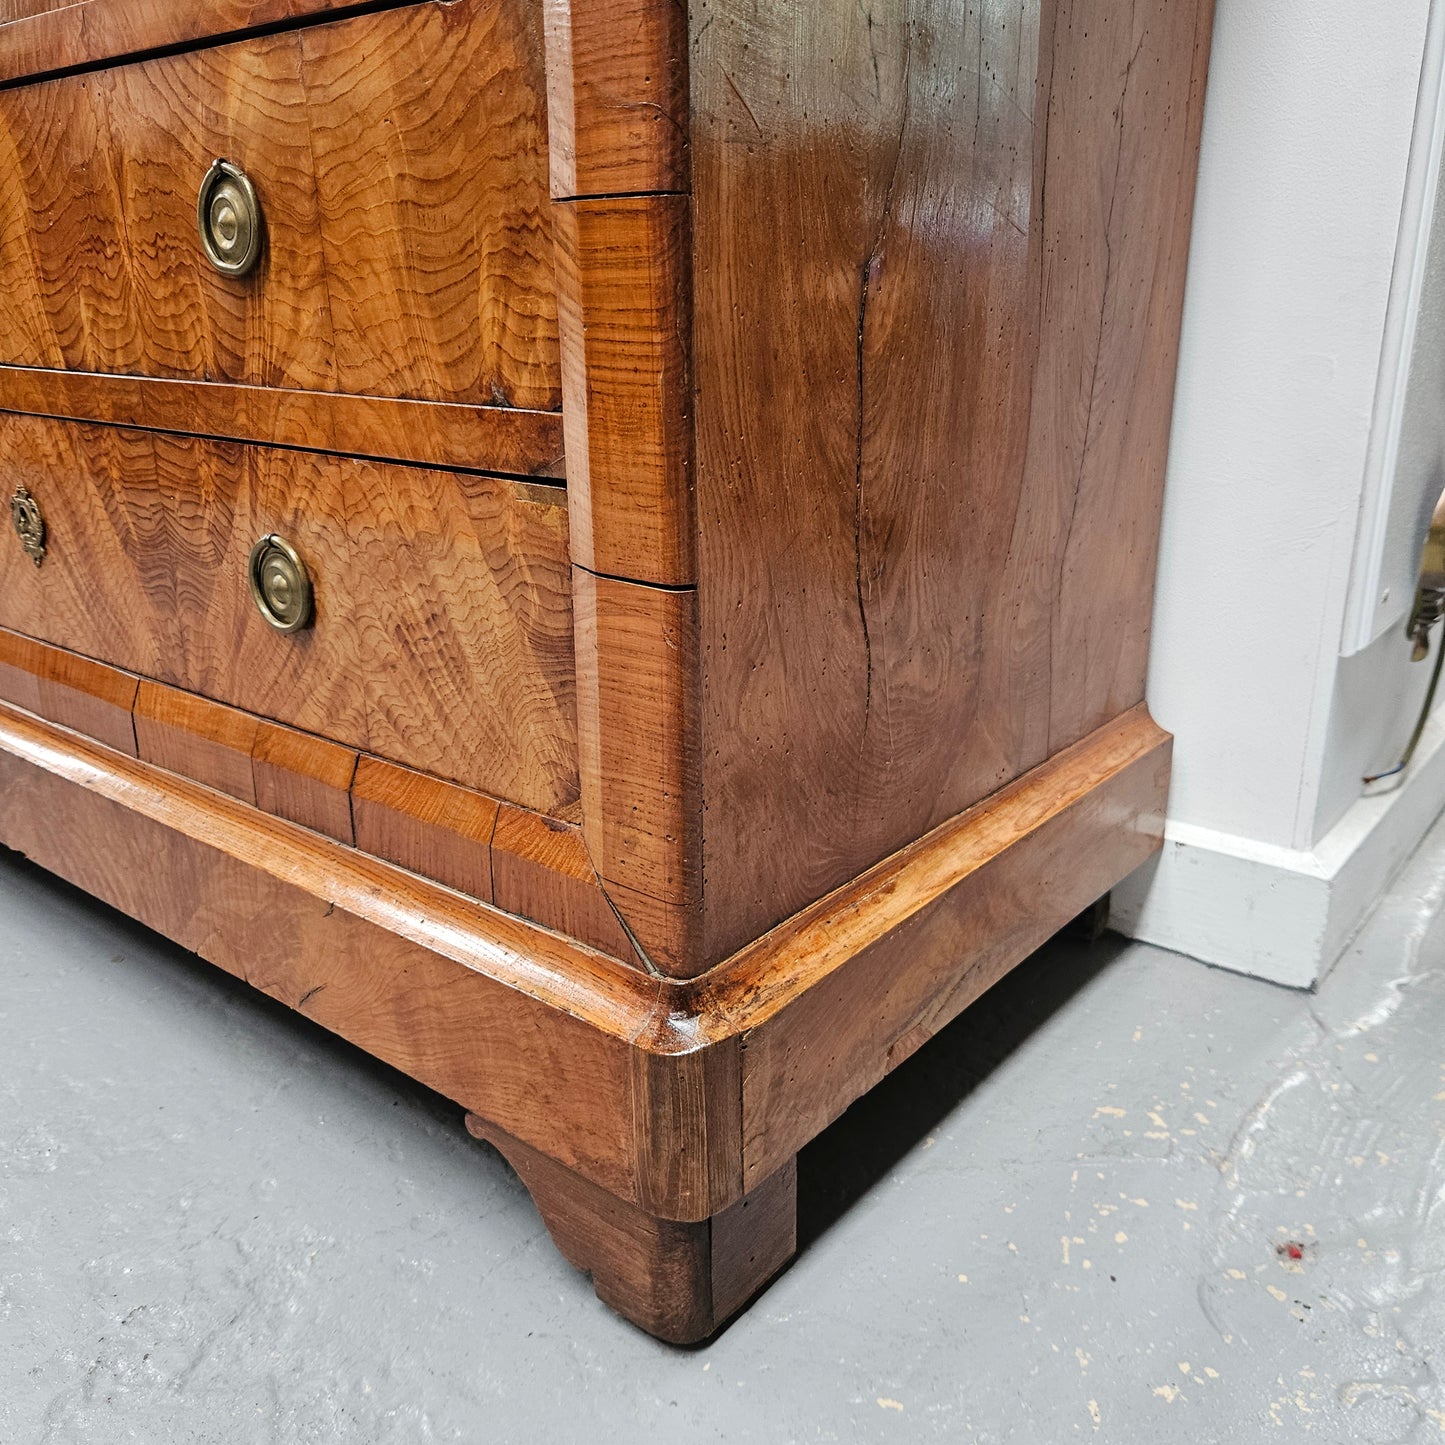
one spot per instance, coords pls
(280, 584)
(29, 524)
(228, 214)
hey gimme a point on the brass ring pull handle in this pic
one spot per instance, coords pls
(280, 584)
(228, 215)
(29, 524)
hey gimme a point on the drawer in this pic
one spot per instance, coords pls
(441, 635)
(399, 160)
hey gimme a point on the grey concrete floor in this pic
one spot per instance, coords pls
(1062, 1219)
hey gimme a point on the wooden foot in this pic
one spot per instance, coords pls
(677, 1281)
(1093, 923)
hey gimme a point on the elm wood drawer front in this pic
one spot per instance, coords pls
(442, 635)
(400, 160)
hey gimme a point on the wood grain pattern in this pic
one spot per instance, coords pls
(20, 667)
(635, 1082)
(304, 779)
(679, 1282)
(427, 826)
(622, 275)
(531, 865)
(541, 871)
(443, 630)
(400, 160)
(1123, 336)
(687, 1110)
(617, 96)
(863, 322)
(11, 10)
(843, 993)
(480, 438)
(939, 259)
(37, 36)
(198, 739)
(637, 739)
(73, 691)
(509, 1020)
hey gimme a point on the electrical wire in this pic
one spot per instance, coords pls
(1420, 722)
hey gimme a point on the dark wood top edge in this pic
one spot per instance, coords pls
(499, 441)
(91, 34)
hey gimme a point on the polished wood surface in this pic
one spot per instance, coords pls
(23, 9)
(304, 779)
(196, 738)
(878, 968)
(656, 818)
(679, 1282)
(529, 864)
(938, 264)
(617, 96)
(623, 300)
(38, 36)
(541, 870)
(400, 159)
(480, 438)
(69, 690)
(647, 1087)
(637, 736)
(430, 827)
(443, 629)
(510, 1020)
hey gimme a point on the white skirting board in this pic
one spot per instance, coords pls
(1281, 913)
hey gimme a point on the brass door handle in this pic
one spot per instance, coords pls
(280, 584)
(228, 215)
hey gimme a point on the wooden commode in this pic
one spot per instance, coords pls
(600, 549)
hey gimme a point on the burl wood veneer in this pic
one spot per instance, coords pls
(724, 445)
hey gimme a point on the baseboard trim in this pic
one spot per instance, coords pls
(1282, 914)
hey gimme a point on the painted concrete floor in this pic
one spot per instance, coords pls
(1068, 1217)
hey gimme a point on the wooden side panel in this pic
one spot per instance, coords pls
(837, 997)
(400, 161)
(304, 779)
(197, 739)
(1124, 337)
(72, 691)
(617, 96)
(637, 726)
(622, 268)
(939, 263)
(432, 828)
(443, 628)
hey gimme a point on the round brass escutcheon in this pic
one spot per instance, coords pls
(29, 524)
(280, 584)
(228, 215)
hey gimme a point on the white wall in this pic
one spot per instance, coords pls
(1307, 140)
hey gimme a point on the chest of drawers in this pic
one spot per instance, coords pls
(600, 549)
